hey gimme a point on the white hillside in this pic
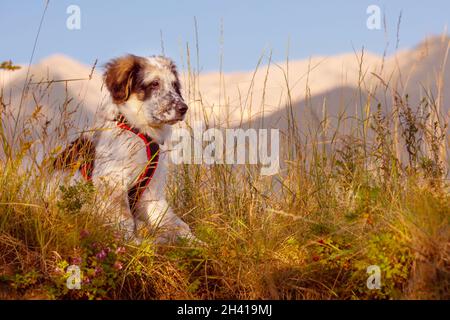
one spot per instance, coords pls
(333, 83)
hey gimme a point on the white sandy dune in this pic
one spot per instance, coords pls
(320, 84)
(331, 83)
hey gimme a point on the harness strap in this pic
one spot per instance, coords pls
(152, 150)
(86, 170)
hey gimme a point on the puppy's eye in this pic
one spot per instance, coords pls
(155, 84)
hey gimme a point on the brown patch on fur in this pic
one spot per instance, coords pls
(82, 149)
(120, 76)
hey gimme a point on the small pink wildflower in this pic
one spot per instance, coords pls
(120, 250)
(101, 255)
(118, 265)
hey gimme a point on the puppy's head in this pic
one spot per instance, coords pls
(146, 90)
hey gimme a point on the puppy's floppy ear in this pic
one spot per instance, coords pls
(120, 76)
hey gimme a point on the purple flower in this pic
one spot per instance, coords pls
(98, 270)
(101, 255)
(76, 260)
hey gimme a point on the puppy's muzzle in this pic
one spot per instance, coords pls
(181, 108)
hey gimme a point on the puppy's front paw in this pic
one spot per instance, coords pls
(178, 233)
(192, 240)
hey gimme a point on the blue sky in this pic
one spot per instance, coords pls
(112, 28)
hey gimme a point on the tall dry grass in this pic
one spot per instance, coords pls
(377, 195)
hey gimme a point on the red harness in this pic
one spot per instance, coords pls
(152, 149)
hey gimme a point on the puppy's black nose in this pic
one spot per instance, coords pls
(181, 107)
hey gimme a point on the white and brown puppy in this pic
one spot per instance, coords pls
(145, 95)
